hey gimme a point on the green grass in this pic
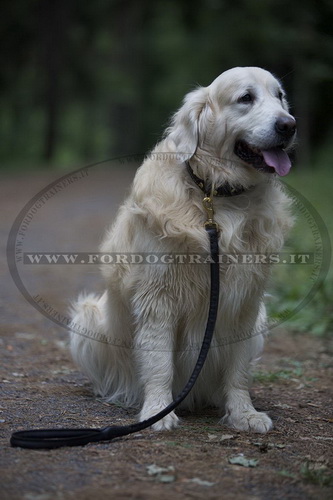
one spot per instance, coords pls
(320, 476)
(265, 377)
(269, 377)
(291, 284)
(286, 473)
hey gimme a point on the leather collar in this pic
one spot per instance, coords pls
(224, 190)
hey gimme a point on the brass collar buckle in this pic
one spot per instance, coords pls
(209, 208)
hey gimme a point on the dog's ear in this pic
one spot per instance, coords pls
(186, 123)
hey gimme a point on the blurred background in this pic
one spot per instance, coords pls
(83, 81)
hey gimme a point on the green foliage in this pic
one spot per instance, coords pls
(286, 473)
(295, 371)
(310, 474)
(80, 78)
(319, 476)
(291, 284)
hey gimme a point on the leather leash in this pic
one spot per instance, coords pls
(56, 438)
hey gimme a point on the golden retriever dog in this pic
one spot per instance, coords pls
(142, 337)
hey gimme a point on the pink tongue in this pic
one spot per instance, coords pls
(278, 159)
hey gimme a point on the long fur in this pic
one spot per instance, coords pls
(146, 329)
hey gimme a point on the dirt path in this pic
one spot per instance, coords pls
(42, 388)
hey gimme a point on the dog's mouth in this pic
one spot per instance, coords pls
(266, 160)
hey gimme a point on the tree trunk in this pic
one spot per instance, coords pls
(53, 24)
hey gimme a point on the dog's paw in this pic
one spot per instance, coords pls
(249, 420)
(167, 423)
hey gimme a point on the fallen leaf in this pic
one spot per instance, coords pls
(245, 462)
(216, 437)
(262, 444)
(196, 480)
(282, 405)
(226, 437)
(166, 478)
(154, 469)
(161, 473)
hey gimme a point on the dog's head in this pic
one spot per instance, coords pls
(242, 119)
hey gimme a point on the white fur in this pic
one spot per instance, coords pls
(145, 332)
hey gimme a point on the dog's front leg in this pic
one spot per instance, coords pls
(239, 411)
(154, 356)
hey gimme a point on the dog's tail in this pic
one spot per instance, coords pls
(87, 317)
(97, 350)
(88, 334)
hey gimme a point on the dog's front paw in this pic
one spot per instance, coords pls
(167, 423)
(248, 420)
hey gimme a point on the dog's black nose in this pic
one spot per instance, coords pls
(285, 126)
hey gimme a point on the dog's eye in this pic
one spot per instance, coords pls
(280, 95)
(246, 98)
